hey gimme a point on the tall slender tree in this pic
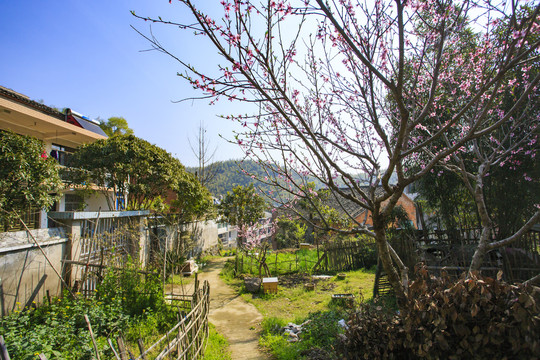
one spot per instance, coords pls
(204, 153)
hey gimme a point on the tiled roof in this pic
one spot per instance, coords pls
(348, 207)
(23, 99)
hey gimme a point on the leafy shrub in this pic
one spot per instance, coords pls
(323, 328)
(125, 301)
(476, 317)
(367, 254)
(289, 233)
(28, 177)
(136, 292)
(59, 330)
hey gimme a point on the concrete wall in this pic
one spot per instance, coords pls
(95, 202)
(25, 273)
(92, 203)
(204, 235)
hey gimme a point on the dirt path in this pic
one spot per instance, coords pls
(233, 317)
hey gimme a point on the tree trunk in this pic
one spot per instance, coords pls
(481, 249)
(386, 260)
(485, 220)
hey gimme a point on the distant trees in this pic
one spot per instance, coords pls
(135, 174)
(229, 174)
(115, 126)
(242, 207)
(289, 233)
(28, 177)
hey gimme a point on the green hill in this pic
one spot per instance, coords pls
(229, 175)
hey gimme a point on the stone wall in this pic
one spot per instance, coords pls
(25, 273)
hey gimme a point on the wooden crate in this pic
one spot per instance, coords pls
(270, 284)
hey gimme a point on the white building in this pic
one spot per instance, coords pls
(61, 133)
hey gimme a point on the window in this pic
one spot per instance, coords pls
(73, 202)
(61, 153)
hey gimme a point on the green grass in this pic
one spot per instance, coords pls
(282, 262)
(217, 347)
(293, 304)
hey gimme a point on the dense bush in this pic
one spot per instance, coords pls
(322, 328)
(28, 177)
(126, 301)
(476, 317)
(59, 330)
(368, 254)
(137, 293)
(289, 233)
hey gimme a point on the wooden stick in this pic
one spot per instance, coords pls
(30, 300)
(75, 262)
(2, 305)
(122, 348)
(140, 342)
(3, 349)
(113, 349)
(92, 335)
(45, 255)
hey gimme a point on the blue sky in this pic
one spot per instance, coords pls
(85, 56)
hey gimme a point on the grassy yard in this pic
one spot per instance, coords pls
(293, 303)
(281, 262)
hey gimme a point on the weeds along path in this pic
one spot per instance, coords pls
(233, 317)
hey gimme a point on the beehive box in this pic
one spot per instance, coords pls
(270, 284)
(305, 246)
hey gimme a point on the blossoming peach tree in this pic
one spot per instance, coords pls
(257, 240)
(353, 94)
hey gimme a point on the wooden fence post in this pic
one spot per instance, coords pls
(140, 342)
(122, 348)
(113, 349)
